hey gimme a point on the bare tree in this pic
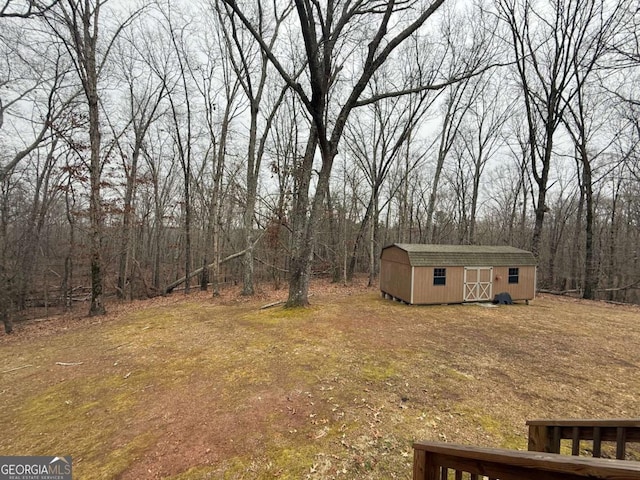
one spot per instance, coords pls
(77, 23)
(22, 9)
(158, 158)
(172, 61)
(600, 27)
(456, 105)
(377, 137)
(70, 208)
(144, 96)
(285, 152)
(327, 33)
(251, 67)
(44, 176)
(479, 139)
(29, 74)
(36, 100)
(462, 94)
(547, 41)
(221, 108)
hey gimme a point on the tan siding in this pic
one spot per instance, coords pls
(525, 289)
(395, 273)
(395, 254)
(425, 292)
(395, 279)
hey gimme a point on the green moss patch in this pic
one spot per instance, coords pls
(81, 418)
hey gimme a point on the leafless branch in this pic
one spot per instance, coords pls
(33, 8)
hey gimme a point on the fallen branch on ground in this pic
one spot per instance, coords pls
(558, 292)
(279, 302)
(618, 289)
(17, 368)
(578, 290)
(272, 304)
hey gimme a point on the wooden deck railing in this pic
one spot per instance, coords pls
(442, 461)
(546, 435)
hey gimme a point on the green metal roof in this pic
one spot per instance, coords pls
(427, 255)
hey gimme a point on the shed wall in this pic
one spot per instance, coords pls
(395, 274)
(425, 292)
(525, 289)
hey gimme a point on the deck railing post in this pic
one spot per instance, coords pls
(424, 466)
(621, 442)
(575, 441)
(554, 442)
(540, 438)
(597, 442)
(419, 464)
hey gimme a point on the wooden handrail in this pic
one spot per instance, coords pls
(433, 460)
(546, 435)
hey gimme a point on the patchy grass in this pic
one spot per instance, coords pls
(198, 388)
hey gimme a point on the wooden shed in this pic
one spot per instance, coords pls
(433, 274)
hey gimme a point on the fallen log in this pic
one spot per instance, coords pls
(630, 286)
(279, 302)
(559, 292)
(272, 304)
(197, 271)
(16, 368)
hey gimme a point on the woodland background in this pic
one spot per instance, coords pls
(274, 141)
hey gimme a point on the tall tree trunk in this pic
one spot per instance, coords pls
(474, 198)
(373, 236)
(450, 127)
(302, 262)
(157, 233)
(302, 246)
(542, 181)
(81, 20)
(577, 233)
(250, 204)
(362, 232)
(334, 240)
(66, 287)
(216, 201)
(127, 224)
(42, 198)
(614, 274)
(187, 228)
(95, 207)
(590, 274)
(435, 182)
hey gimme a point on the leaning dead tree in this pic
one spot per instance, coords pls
(198, 271)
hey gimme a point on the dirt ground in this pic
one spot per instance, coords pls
(192, 387)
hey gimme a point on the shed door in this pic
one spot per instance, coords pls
(477, 283)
